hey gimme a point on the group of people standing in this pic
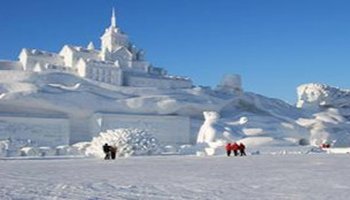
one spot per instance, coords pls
(110, 151)
(235, 148)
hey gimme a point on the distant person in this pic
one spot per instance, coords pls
(242, 149)
(325, 145)
(113, 150)
(107, 151)
(228, 149)
(235, 148)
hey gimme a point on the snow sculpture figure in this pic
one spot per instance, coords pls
(319, 97)
(311, 96)
(208, 130)
(4, 146)
(212, 136)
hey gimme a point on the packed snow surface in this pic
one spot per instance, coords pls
(312, 176)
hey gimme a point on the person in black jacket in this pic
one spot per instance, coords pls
(242, 149)
(107, 151)
(113, 151)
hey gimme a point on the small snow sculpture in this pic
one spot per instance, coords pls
(212, 136)
(208, 130)
(243, 120)
(11, 147)
(4, 146)
(29, 151)
(311, 96)
(317, 96)
(128, 142)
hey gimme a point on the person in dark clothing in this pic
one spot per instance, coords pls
(113, 151)
(242, 149)
(235, 148)
(228, 149)
(107, 151)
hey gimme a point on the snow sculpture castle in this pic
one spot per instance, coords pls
(118, 62)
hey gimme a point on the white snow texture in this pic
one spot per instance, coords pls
(127, 141)
(63, 99)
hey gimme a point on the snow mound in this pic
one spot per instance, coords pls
(327, 126)
(73, 95)
(315, 96)
(128, 142)
(329, 109)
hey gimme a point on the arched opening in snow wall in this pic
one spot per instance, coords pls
(304, 142)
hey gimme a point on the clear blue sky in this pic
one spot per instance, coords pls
(275, 45)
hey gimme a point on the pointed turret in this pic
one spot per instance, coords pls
(113, 38)
(91, 46)
(113, 20)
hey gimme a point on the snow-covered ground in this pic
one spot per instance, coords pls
(302, 176)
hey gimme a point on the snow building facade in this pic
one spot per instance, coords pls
(118, 62)
(50, 109)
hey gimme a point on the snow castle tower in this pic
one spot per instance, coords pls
(117, 63)
(113, 39)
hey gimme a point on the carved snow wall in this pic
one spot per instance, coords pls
(145, 81)
(167, 129)
(40, 131)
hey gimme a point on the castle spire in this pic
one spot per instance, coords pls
(113, 20)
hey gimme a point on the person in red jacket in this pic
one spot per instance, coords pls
(228, 149)
(235, 148)
(242, 149)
